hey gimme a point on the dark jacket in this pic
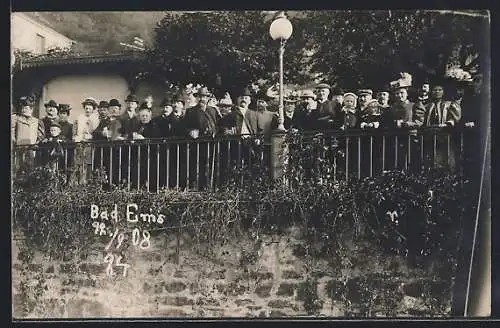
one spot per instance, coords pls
(128, 125)
(66, 130)
(328, 115)
(292, 123)
(398, 111)
(307, 120)
(46, 124)
(149, 130)
(206, 121)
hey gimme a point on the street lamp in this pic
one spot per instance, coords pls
(281, 29)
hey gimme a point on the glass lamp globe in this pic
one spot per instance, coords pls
(281, 28)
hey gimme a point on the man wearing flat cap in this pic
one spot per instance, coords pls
(328, 113)
(364, 97)
(307, 116)
(51, 115)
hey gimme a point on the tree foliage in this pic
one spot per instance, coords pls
(350, 48)
(370, 48)
(226, 51)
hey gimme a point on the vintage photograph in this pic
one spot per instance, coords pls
(250, 164)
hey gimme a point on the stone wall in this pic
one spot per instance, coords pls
(273, 277)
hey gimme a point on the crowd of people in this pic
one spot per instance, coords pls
(197, 113)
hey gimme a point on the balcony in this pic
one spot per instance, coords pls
(153, 165)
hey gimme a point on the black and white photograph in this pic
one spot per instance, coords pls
(250, 164)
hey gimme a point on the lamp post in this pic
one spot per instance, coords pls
(281, 29)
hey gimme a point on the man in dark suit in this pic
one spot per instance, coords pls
(328, 110)
(308, 114)
(176, 151)
(67, 132)
(162, 121)
(147, 153)
(51, 109)
(201, 120)
(128, 120)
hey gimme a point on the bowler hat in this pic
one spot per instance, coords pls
(132, 98)
(384, 88)
(51, 103)
(90, 101)
(323, 86)
(167, 101)
(246, 92)
(365, 92)
(203, 91)
(64, 108)
(55, 123)
(114, 102)
(308, 94)
(103, 104)
(26, 101)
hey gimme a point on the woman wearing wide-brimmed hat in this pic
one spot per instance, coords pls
(25, 130)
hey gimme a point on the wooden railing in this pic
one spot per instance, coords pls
(209, 163)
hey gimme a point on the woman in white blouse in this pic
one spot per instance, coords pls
(87, 122)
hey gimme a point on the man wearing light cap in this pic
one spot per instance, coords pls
(307, 116)
(326, 108)
(364, 97)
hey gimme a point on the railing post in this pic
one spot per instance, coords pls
(279, 154)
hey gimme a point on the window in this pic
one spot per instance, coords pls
(40, 44)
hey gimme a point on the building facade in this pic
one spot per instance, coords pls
(31, 34)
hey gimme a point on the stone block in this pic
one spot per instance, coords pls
(264, 290)
(68, 268)
(286, 289)
(92, 268)
(256, 275)
(291, 274)
(177, 301)
(207, 301)
(232, 289)
(171, 313)
(175, 286)
(243, 302)
(35, 267)
(279, 304)
(335, 290)
(180, 274)
(218, 275)
(81, 308)
(50, 269)
(277, 314)
(254, 307)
